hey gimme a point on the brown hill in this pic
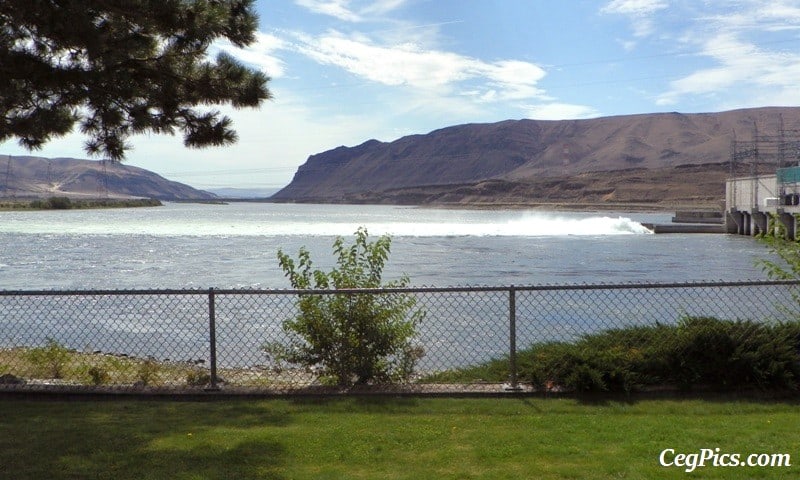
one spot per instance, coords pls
(39, 177)
(530, 161)
(682, 187)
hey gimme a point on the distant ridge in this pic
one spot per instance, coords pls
(39, 177)
(243, 193)
(539, 160)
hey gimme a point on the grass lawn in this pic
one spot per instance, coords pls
(388, 438)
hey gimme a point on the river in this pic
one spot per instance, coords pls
(229, 246)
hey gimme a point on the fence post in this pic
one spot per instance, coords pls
(512, 340)
(212, 334)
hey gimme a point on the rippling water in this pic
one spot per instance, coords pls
(228, 246)
(191, 245)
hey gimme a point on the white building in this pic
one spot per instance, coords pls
(760, 204)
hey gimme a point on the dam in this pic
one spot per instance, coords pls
(764, 204)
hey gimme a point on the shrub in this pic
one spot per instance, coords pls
(354, 338)
(147, 373)
(732, 354)
(697, 351)
(198, 378)
(59, 203)
(98, 375)
(50, 360)
(586, 369)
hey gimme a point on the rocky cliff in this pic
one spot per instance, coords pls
(517, 156)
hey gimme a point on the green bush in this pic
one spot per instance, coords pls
(198, 378)
(733, 354)
(98, 375)
(705, 351)
(354, 338)
(49, 361)
(147, 372)
(697, 351)
(59, 203)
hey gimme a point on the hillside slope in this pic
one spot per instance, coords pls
(42, 177)
(522, 152)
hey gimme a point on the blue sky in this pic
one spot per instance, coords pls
(346, 71)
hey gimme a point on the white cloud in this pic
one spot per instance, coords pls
(640, 13)
(384, 6)
(425, 69)
(342, 10)
(516, 80)
(260, 53)
(334, 8)
(776, 15)
(405, 64)
(740, 67)
(635, 8)
(560, 111)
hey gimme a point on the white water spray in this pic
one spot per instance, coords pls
(528, 226)
(217, 221)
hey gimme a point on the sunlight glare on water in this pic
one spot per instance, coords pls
(236, 245)
(399, 222)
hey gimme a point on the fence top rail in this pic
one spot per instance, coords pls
(463, 289)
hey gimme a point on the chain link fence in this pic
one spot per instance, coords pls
(487, 339)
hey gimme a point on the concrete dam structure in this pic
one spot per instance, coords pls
(764, 204)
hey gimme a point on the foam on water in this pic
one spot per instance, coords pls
(405, 224)
(188, 245)
(528, 226)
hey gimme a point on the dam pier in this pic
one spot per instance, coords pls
(764, 204)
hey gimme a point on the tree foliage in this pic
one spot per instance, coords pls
(786, 249)
(789, 252)
(356, 338)
(123, 67)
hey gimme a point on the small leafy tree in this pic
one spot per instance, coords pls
(786, 249)
(356, 338)
(50, 360)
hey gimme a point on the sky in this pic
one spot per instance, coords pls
(347, 71)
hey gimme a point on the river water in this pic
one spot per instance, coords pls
(230, 246)
(235, 246)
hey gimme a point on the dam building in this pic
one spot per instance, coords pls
(764, 204)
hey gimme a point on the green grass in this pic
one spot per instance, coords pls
(387, 438)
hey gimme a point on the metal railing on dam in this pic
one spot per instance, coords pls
(467, 339)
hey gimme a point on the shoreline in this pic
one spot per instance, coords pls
(632, 207)
(578, 207)
(68, 203)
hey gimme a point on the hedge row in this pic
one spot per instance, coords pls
(697, 351)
